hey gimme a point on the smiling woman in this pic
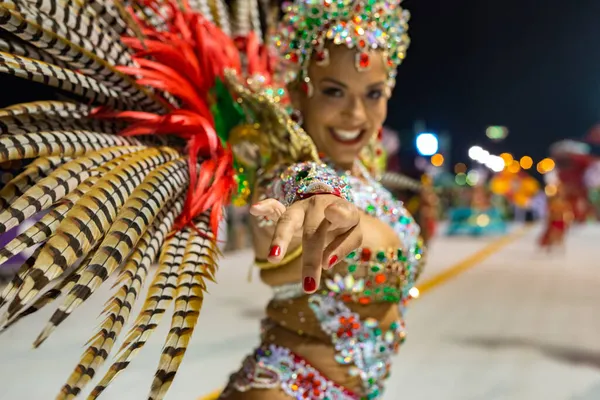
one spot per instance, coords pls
(338, 250)
(344, 107)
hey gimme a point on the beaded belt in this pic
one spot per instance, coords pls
(277, 367)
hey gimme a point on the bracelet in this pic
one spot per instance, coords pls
(301, 181)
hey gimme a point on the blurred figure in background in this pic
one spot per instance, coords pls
(559, 217)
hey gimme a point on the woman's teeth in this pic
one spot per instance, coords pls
(346, 135)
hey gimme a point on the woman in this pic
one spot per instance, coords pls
(559, 217)
(117, 203)
(356, 249)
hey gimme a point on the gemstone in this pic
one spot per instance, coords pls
(375, 268)
(381, 256)
(366, 255)
(363, 61)
(352, 268)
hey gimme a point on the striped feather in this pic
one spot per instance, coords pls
(36, 28)
(87, 222)
(157, 300)
(197, 265)
(140, 210)
(130, 282)
(46, 227)
(58, 184)
(48, 224)
(62, 285)
(20, 272)
(115, 16)
(58, 143)
(13, 45)
(37, 110)
(36, 170)
(63, 79)
(93, 30)
(65, 124)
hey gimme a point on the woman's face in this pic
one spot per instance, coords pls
(347, 107)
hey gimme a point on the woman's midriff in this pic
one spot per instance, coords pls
(294, 325)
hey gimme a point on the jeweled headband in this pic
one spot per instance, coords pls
(359, 24)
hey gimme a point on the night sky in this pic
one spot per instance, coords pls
(530, 65)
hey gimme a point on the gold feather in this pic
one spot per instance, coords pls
(48, 224)
(13, 45)
(115, 16)
(58, 143)
(36, 170)
(63, 79)
(197, 264)
(157, 300)
(39, 110)
(66, 124)
(92, 31)
(140, 210)
(26, 23)
(62, 285)
(45, 228)
(57, 184)
(130, 282)
(87, 222)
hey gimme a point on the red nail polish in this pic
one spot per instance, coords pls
(332, 260)
(310, 284)
(275, 251)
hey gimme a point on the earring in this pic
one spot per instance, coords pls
(307, 87)
(296, 116)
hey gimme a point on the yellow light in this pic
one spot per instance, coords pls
(546, 165)
(514, 167)
(414, 292)
(460, 168)
(540, 168)
(437, 160)
(508, 158)
(550, 190)
(526, 162)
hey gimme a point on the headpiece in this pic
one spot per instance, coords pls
(363, 25)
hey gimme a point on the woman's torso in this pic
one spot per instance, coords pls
(362, 292)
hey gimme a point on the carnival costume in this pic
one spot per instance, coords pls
(160, 123)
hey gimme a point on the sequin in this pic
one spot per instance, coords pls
(362, 343)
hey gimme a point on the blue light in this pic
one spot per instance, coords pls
(427, 144)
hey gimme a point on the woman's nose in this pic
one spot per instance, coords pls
(355, 109)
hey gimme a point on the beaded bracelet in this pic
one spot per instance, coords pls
(307, 179)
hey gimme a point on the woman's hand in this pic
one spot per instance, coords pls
(329, 227)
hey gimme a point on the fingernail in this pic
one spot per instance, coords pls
(332, 260)
(275, 251)
(309, 284)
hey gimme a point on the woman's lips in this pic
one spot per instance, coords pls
(347, 136)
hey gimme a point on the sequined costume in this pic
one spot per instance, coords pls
(165, 112)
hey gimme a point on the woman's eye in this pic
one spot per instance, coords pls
(375, 94)
(333, 92)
